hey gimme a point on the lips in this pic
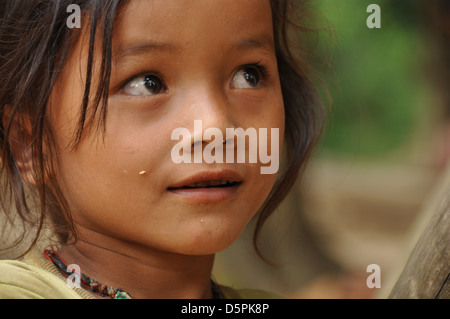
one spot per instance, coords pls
(208, 187)
(209, 179)
(209, 184)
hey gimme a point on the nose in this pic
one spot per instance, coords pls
(207, 114)
(213, 110)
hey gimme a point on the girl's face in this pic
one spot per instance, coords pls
(174, 62)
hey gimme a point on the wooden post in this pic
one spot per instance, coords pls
(426, 274)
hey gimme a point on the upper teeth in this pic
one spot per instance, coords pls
(208, 183)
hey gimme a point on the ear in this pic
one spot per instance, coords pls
(18, 127)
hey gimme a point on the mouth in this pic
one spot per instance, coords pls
(208, 187)
(208, 184)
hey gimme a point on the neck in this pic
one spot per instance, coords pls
(141, 271)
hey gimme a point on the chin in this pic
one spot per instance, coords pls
(209, 242)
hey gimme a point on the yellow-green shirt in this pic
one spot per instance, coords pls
(35, 277)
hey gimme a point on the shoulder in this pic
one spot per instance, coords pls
(231, 293)
(24, 280)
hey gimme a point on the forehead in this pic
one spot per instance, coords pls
(192, 23)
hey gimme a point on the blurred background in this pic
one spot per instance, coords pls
(384, 152)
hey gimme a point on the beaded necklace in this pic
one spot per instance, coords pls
(51, 253)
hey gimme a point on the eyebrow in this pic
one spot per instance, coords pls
(147, 47)
(259, 42)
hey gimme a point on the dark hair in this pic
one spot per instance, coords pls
(34, 45)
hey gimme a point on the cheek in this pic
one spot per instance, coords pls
(274, 120)
(279, 114)
(104, 175)
(279, 120)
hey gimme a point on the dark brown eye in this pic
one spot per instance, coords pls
(153, 84)
(247, 78)
(144, 85)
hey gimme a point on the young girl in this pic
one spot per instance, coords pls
(87, 118)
